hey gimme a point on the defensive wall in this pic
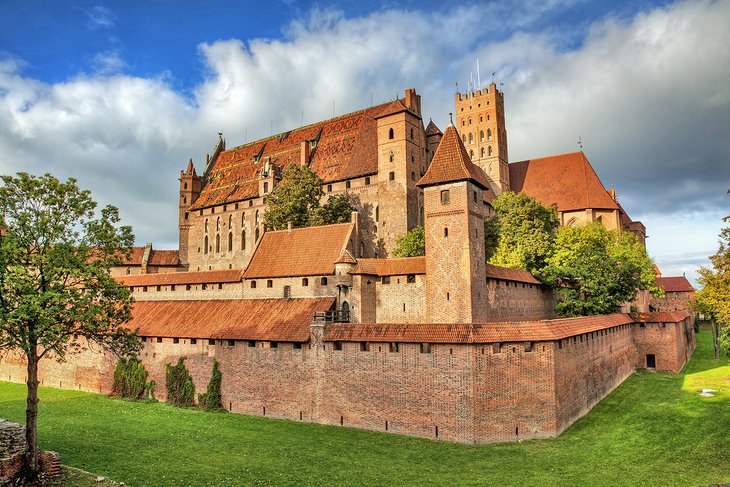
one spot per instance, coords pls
(469, 383)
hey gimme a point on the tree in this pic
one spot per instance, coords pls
(56, 293)
(595, 270)
(296, 200)
(412, 244)
(211, 399)
(491, 236)
(713, 300)
(526, 231)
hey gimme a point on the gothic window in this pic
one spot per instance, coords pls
(230, 222)
(391, 156)
(471, 138)
(391, 134)
(230, 241)
(489, 134)
(411, 134)
(217, 243)
(218, 225)
(256, 235)
(345, 311)
(464, 138)
(287, 292)
(483, 152)
(481, 135)
(206, 225)
(206, 245)
(266, 187)
(256, 219)
(471, 153)
(243, 239)
(490, 150)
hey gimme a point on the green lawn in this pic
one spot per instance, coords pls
(653, 430)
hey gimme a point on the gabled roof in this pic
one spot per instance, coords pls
(346, 147)
(345, 258)
(285, 320)
(164, 258)
(308, 251)
(526, 331)
(566, 180)
(678, 284)
(432, 129)
(170, 278)
(135, 256)
(451, 163)
(391, 267)
(507, 274)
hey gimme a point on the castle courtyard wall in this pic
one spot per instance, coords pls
(518, 301)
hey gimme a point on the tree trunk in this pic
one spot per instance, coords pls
(716, 338)
(31, 468)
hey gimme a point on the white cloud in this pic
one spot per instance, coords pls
(100, 17)
(649, 96)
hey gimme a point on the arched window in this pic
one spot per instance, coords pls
(230, 241)
(471, 138)
(185, 200)
(218, 224)
(471, 153)
(483, 152)
(570, 223)
(464, 138)
(217, 242)
(470, 121)
(489, 134)
(230, 222)
(243, 219)
(490, 150)
(206, 225)
(345, 311)
(391, 156)
(391, 134)
(205, 249)
(480, 118)
(256, 219)
(411, 134)
(243, 239)
(481, 135)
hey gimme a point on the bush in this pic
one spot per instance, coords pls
(211, 399)
(179, 382)
(130, 380)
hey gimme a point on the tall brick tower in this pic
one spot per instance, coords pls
(190, 186)
(480, 122)
(454, 225)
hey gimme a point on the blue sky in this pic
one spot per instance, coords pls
(121, 94)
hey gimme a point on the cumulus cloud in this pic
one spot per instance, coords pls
(648, 95)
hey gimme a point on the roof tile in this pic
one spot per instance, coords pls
(168, 278)
(452, 163)
(678, 284)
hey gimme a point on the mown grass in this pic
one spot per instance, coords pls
(653, 430)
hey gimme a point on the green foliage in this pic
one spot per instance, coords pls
(130, 380)
(525, 234)
(412, 244)
(491, 236)
(338, 209)
(294, 199)
(725, 340)
(211, 399)
(56, 293)
(179, 383)
(596, 270)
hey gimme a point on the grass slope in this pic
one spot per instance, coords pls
(653, 430)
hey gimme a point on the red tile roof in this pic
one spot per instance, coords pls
(533, 331)
(390, 267)
(135, 257)
(164, 258)
(660, 316)
(678, 284)
(432, 129)
(567, 180)
(168, 278)
(285, 320)
(345, 258)
(451, 162)
(346, 148)
(507, 274)
(300, 252)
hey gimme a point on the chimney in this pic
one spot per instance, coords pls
(413, 101)
(146, 257)
(304, 152)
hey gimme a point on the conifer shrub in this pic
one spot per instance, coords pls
(211, 399)
(179, 382)
(130, 380)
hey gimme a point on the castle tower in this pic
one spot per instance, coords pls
(454, 227)
(480, 122)
(401, 162)
(190, 186)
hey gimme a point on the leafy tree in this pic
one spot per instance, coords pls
(412, 244)
(56, 293)
(526, 231)
(596, 270)
(491, 236)
(713, 300)
(338, 209)
(297, 198)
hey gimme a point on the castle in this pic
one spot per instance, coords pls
(318, 324)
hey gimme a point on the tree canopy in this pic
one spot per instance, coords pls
(595, 270)
(525, 232)
(297, 200)
(412, 244)
(56, 292)
(713, 299)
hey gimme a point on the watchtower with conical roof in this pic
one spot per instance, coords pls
(454, 225)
